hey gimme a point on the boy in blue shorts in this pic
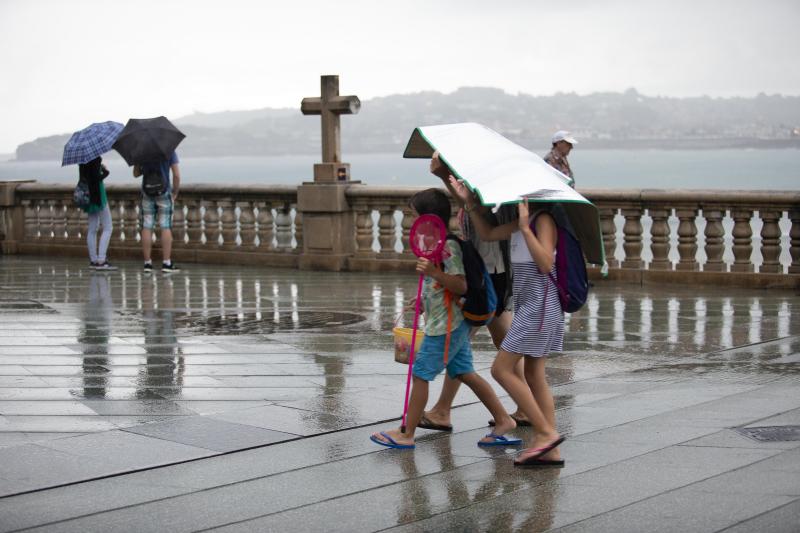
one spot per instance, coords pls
(442, 286)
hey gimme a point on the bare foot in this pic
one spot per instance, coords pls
(395, 435)
(540, 442)
(519, 416)
(438, 418)
(506, 424)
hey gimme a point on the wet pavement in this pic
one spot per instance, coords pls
(241, 399)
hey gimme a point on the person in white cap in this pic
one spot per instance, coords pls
(563, 141)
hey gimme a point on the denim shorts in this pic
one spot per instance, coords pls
(429, 362)
(156, 206)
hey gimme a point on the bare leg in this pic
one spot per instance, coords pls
(498, 330)
(537, 381)
(485, 393)
(166, 243)
(503, 370)
(416, 405)
(440, 412)
(147, 244)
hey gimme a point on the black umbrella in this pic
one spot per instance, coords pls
(148, 139)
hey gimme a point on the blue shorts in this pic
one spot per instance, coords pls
(156, 206)
(429, 362)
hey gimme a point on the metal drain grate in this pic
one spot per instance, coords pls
(12, 305)
(266, 323)
(772, 433)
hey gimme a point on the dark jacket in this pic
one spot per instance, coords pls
(92, 173)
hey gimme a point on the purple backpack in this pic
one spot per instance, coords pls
(571, 279)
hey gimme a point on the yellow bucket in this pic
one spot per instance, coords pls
(402, 343)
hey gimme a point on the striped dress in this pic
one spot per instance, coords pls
(538, 325)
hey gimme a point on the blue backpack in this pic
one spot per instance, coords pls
(479, 303)
(571, 279)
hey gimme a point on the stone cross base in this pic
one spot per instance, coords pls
(328, 226)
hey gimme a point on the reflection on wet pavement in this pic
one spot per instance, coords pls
(259, 386)
(213, 339)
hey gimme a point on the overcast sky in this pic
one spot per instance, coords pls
(67, 63)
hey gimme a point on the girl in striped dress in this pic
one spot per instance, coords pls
(537, 328)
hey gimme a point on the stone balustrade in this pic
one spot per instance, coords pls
(749, 238)
(209, 223)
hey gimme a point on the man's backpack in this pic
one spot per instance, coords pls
(479, 303)
(571, 279)
(153, 179)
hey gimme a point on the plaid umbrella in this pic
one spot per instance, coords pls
(91, 142)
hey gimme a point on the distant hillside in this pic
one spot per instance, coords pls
(600, 120)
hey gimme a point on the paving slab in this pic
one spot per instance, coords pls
(226, 397)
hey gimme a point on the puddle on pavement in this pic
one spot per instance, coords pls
(255, 323)
(772, 433)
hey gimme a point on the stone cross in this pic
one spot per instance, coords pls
(330, 105)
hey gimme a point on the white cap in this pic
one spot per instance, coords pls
(562, 135)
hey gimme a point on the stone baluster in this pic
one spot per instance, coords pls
(659, 233)
(715, 245)
(632, 231)
(247, 224)
(264, 231)
(364, 229)
(407, 222)
(178, 226)
(130, 220)
(194, 224)
(742, 240)
(211, 223)
(46, 220)
(283, 228)
(770, 241)
(116, 222)
(298, 231)
(386, 229)
(794, 241)
(228, 223)
(609, 233)
(74, 224)
(687, 239)
(59, 221)
(31, 221)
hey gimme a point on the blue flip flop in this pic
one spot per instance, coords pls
(499, 440)
(391, 443)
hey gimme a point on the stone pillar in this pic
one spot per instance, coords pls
(770, 242)
(742, 240)
(715, 246)
(264, 220)
(364, 230)
(632, 231)
(687, 239)
(178, 226)
(609, 234)
(329, 226)
(13, 218)
(794, 241)
(386, 229)
(228, 223)
(247, 224)
(659, 233)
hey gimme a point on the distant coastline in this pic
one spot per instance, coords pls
(627, 120)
